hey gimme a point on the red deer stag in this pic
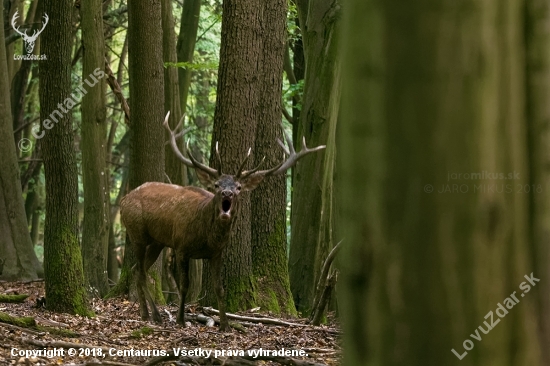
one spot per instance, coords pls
(194, 222)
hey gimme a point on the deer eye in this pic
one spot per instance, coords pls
(238, 188)
(216, 185)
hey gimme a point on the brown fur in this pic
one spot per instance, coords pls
(190, 220)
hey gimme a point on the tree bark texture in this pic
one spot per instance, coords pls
(146, 75)
(64, 278)
(95, 175)
(268, 215)
(312, 201)
(235, 122)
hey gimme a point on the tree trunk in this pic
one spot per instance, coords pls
(95, 175)
(146, 75)
(187, 39)
(15, 242)
(235, 129)
(433, 244)
(538, 115)
(64, 278)
(268, 219)
(312, 211)
(174, 168)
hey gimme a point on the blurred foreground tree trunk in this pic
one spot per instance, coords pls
(64, 277)
(435, 249)
(538, 114)
(15, 242)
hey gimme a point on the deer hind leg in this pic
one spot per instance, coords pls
(184, 286)
(151, 255)
(216, 265)
(140, 275)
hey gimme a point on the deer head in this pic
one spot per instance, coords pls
(29, 40)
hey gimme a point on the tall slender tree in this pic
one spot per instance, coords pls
(147, 105)
(312, 195)
(64, 278)
(95, 226)
(190, 16)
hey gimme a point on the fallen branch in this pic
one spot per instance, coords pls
(284, 360)
(321, 284)
(252, 319)
(115, 87)
(325, 298)
(109, 363)
(24, 322)
(13, 298)
(21, 329)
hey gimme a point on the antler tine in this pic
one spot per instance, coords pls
(241, 167)
(193, 163)
(212, 172)
(219, 159)
(293, 156)
(248, 173)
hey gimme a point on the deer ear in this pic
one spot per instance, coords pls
(252, 181)
(205, 179)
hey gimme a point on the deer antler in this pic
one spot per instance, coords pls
(193, 163)
(293, 157)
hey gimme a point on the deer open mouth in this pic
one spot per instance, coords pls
(226, 208)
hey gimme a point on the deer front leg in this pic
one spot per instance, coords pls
(184, 283)
(216, 265)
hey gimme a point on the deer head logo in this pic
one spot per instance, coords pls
(29, 40)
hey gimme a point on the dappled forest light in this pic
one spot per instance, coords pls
(275, 182)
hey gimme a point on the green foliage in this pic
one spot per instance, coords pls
(193, 65)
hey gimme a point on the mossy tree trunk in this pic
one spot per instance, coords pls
(15, 243)
(235, 128)
(312, 201)
(95, 175)
(538, 114)
(268, 219)
(64, 277)
(146, 73)
(428, 253)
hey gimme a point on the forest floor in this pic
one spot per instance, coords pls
(118, 337)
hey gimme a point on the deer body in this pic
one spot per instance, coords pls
(186, 219)
(194, 222)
